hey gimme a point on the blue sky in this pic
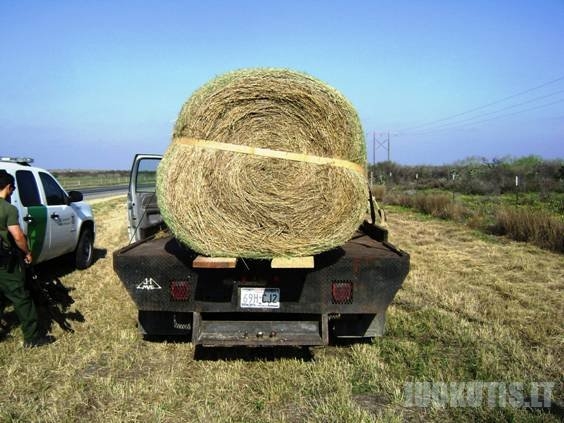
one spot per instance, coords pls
(87, 84)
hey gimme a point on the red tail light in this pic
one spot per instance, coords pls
(342, 292)
(180, 290)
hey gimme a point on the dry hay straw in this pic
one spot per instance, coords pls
(225, 203)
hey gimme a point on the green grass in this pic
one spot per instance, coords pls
(84, 179)
(534, 218)
(552, 202)
(470, 310)
(70, 182)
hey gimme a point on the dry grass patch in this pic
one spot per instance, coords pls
(436, 205)
(471, 309)
(536, 226)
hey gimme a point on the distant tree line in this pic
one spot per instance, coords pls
(476, 175)
(473, 175)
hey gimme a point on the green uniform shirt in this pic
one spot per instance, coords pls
(8, 217)
(12, 281)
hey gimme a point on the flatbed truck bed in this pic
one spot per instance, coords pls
(345, 294)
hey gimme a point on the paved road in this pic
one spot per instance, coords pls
(101, 192)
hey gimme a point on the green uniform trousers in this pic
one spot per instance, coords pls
(12, 286)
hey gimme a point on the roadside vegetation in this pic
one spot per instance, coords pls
(527, 223)
(476, 176)
(79, 179)
(480, 194)
(473, 308)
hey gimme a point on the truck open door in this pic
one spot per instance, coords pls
(144, 216)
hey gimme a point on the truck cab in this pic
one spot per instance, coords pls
(56, 222)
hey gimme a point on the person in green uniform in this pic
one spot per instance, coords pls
(12, 268)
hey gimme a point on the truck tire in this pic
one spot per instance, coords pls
(84, 253)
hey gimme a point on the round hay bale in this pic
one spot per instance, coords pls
(264, 163)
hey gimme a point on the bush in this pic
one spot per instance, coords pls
(524, 223)
(529, 225)
(478, 175)
(378, 192)
(437, 205)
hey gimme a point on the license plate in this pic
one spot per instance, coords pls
(259, 297)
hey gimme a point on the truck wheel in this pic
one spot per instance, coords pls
(84, 253)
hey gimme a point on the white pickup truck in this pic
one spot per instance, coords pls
(56, 223)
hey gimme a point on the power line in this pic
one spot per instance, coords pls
(493, 112)
(484, 106)
(432, 131)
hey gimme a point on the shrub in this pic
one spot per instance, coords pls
(378, 191)
(535, 226)
(437, 205)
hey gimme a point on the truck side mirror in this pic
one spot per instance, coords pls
(75, 196)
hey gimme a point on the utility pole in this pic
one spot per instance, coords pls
(374, 147)
(381, 141)
(388, 145)
(373, 158)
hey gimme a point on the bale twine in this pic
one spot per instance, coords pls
(264, 163)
